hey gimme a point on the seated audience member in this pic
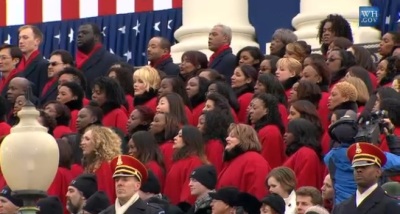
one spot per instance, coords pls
(316, 210)
(247, 203)
(50, 205)
(96, 203)
(224, 200)
(273, 204)
(307, 197)
(202, 182)
(79, 191)
(9, 203)
(328, 192)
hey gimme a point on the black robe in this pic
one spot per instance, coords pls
(225, 64)
(50, 95)
(36, 73)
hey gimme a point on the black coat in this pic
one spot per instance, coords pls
(205, 210)
(36, 73)
(139, 207)
(51, 94)
(225, 64)
(376, 203)
(97, 65)
(169, 67)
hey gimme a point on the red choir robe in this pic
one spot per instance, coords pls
(247, 172)
(72, 122)
(158, 172)
(61, 130)
(177, 189)
(273, 147)
(244, 102)
(167, 152)
(326, 142)
(189, 115)
(309, 169)
(287, 92)
(197, 112)
(374, 80)
(129, 100)
(234, 115)
(214, 150)
(323, 110)
(85, 101)
(284, 114)
(76, 170)
(59, 186)
(152, 104)
(4, 129)
(105, 181)
(116, 118)
(3, 182)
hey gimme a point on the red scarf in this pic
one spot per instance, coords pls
(6, 80)
(159, 61)
(25, 62)
(81, 57)
(49, 83)
(218, 52)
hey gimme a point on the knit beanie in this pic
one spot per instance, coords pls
(6, 193)
(206, 175)
(151, 185)
(50, 205)
(97, 202)
(86, 183)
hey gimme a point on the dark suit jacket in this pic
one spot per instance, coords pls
(97, 65)
(225, 64)
(139, 207)
(36, 73)
(51, 94)
(376, 203)
(169, 67)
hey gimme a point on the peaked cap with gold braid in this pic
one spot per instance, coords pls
(365, 154)
(128, 166)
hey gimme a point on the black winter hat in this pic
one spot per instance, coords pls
(152, 184)
(86, 183)
(6, 193)
(206, 175)
(226, 194)
(276, 202)
(50, 205)
(248, 202)
(97, 202)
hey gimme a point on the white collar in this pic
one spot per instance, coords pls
(361, 196)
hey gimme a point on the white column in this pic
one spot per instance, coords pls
(199, 16)
(312, 12)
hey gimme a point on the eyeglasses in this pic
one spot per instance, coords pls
(55, 63)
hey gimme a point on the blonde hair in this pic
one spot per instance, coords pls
(149, 75)
(292, 64)
(285, 176)
(347, 90)
(248, 138)
(362, 90)
(297, 49)
(36, 31)
(107, 145)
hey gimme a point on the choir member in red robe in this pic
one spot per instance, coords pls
(99, 146)
(288, 73)
(196, 89)
(188, 155)
(62, 116)
(108, 94)
(146, 82)
(172, 103)
(264, 115)
(124, 77)
(224, 89)
(139, 120)
(242, 81)
(164, 128)
(304, 153)
(244, 166)
(143, 146)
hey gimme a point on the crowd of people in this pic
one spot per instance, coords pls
(233, 133)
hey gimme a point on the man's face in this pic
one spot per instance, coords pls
(126, 187)
(6, 206)
(216, 38)
(303, 203)
(196, 188)
(6, 62)
(366, 176)
(85, 36)
(27, 41)
(154, 49)
(15, 88)
(327, 188)
(55, 65)
(75, 199)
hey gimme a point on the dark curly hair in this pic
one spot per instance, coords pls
(392, 107)
(215, 125)
(225, 90)
(273, 86)
(340, 28)
(273, 117)
(220, 103)
(307, 90)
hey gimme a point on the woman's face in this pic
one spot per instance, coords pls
(257, 110)
(386, 45)
(293, 114)
(288, 138)
(50, 109)
(238, 78)
(98, 95)
(178, 141)
(87, 144)
(200, 124)
(396, 85)
(310, 74)
(65, 95)
(293, 93)
(186, 66)
(210, 105)
(132, 151)
(165, 86)
(335, 99)
(283, 73)
(134, 120)
(158, 124)
(275, 187)
(163, 105)
(231, 141)
(84, 119)
(259, 88)
(139, 86)
(247, 59)
(212, 88)
(334, 61)
(19, 103)
(265, 67)
(382, 70)
(276, 45)
(192, 86)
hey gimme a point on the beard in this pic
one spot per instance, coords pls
(74, 209)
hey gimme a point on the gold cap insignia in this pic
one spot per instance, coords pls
(119, 162)
(358, 149)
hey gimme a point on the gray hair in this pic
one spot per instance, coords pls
(226, 30)
(285, 35)
(316, 209)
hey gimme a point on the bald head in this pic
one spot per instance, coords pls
(18, 86)
(21, 81)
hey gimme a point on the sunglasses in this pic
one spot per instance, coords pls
(54, 63)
